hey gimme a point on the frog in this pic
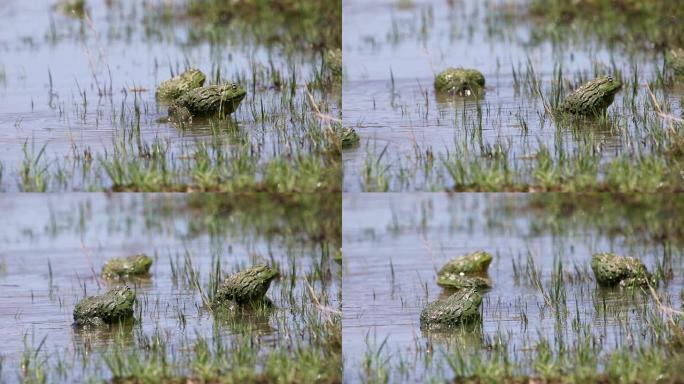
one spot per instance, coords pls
(463, 281)
(245, 287)
(460, 308)
(476, 262)
(221, 100)
(592, 98)
(116, 305)
(124, 267)
(175, 87)
(460, 82)
(613, 270)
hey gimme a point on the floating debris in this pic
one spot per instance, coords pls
(247, 286)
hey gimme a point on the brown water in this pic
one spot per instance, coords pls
(392, 51)
(52, 247)
(395, 243)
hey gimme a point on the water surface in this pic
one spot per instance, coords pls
(395, 243)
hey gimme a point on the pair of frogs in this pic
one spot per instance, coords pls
(188, 97)
(591, 99)
(116, 305)
(464, 273)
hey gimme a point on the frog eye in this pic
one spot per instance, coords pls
(234, 86)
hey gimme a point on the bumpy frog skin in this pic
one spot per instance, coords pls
(136, 265)
(246, 286)
(460, 308)
(592, 98)
(611, 269)
(113, 306)
(475, 262)
(208, 101)
(348, 137)
(177, 86)
(462, 281)
(460, 82)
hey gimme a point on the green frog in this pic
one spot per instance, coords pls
(460, 308)
(611, 269)
(131, 266)
(177, 86)
(472, 263)
(116, 305)
(460, 82)
(208, 101)
(592, 98)
(247, 286)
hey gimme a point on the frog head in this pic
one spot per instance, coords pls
(609, 86)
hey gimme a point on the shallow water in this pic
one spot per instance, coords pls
(395, 243)
(53, 248)
(79, 84)
(392, 52)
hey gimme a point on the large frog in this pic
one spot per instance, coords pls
(611, 269)
(460, 82)
(460, 308)
(208, 101)
(114, 306)
(177, 86)
(247, 286)
(463, 281)
(592, 98)
(131, 266)
(474, 262)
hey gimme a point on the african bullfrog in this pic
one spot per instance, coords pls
(131, 266)
(459, 308)
(460, 82)
(177, 86)
(472, 263)
(246, 286)
(592, 98)
(208, 101)
(114, 306)
(611, 269)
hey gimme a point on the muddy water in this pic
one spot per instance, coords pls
(392, 51)
(395, 243)
(76, 83)
(52, 247)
